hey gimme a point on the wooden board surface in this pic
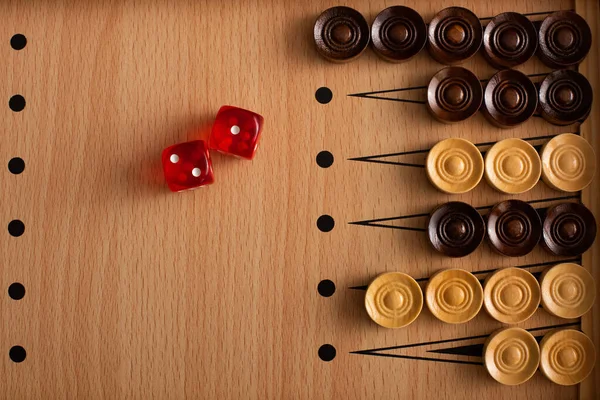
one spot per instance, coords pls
(135, 292)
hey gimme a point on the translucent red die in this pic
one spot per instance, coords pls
(187, 165)
(236, 132)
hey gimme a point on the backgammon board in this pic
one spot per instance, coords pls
(253, 287)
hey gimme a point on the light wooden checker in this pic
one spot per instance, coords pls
(134, 292)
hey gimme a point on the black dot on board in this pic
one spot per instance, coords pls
(325, 223)
(324, 159)
(16, 291)
(17, 103)
(323, 95)
(16, 165)
(17, 354)
(16, 228)
(327, 352)
(326, 288)
(18, 41)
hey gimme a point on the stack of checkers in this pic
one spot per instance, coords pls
(513, 228)
(565, 356)
(511, 296)
(567, 163)
(454, 35)
(510, 97)
(455, 296)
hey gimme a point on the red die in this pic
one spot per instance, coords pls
(187, 165)
(236, 131)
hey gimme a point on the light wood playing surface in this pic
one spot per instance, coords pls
(135, 292)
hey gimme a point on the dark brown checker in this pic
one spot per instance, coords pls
(510, 98)
(454, 94)
(565, 39)
(455, 35)
(455, 229)
(565, 97)
(509, 39)
(514, 228)
(398, 33)
(569, 229)
(341, 34)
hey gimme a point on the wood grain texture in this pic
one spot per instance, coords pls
(135, 292)
(590, 67)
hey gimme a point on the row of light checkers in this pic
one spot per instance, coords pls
(567, 163)
(509, 295)
(562, 353)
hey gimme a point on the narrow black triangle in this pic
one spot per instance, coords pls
(473, 350)
(538, 338)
